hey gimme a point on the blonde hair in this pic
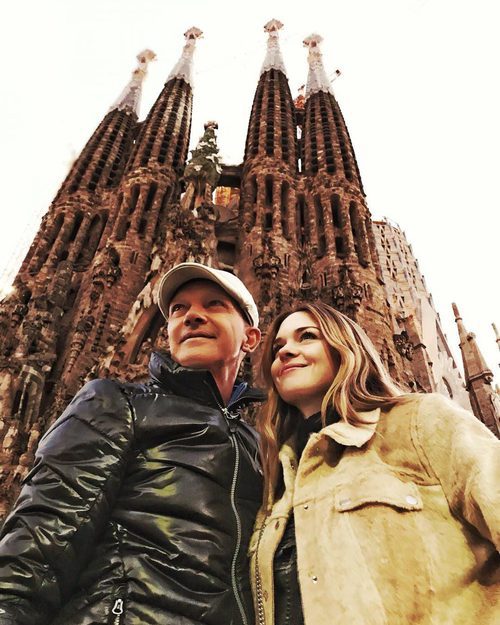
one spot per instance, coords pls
(361, 384)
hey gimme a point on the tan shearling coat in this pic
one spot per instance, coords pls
(396, 521)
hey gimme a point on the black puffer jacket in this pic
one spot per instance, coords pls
(138, 510)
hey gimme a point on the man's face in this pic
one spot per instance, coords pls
(205, 328)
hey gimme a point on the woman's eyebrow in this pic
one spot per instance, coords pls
(296, 331)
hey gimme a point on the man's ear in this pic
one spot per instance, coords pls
(252, 339)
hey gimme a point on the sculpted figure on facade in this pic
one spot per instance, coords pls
(404, 345)
(347, 295)
(106, 269)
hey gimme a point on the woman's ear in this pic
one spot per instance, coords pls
(252, 339)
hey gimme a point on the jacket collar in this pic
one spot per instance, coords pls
(354, 435)
(342, 432)
(197, 384)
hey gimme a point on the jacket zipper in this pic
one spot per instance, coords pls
(117, 612)
(232, 420)
(261, 620)
(238, 528)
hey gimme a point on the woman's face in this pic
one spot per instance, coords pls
(303, 367)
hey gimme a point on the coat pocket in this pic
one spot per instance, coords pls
(377, 488)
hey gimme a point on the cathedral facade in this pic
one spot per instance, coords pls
(291, 221)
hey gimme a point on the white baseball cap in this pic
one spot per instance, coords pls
(185, 272)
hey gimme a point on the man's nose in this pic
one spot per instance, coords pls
(194, 316)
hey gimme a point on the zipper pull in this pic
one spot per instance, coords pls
(118, 607)
(232, 416)
(232, 419)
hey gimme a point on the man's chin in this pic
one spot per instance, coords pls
(194, 361)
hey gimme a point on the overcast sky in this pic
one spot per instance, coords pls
(419, 91)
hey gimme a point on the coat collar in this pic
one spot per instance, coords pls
(197, 384)
(342, 432)
(354, 435)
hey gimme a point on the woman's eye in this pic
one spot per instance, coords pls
(175, 307)
(307, 335)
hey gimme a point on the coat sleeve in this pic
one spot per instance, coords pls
(464, 456)
(64, 504)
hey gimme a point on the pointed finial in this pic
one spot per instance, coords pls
(317, 80)
(273, 59)
(455, 312)
(129, 99)
(184, 66)
(495, 330)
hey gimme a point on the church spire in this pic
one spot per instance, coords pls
(184, 66)
(130, 97)
(317, 80)
(475, 360)
(497, 334)
(273, 59)
(478, 376)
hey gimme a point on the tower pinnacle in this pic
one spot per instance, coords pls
(129, 99)
(484, 401)
(497, 334)
(317, 80)
(184, 66)
(273, 59)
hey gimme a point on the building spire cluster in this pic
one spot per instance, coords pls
(292, 221)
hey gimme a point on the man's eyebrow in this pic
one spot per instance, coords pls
(174, 300)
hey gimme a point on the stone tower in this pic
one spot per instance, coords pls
(90, 259)
(305, 230)
(478, 376)
(267, 258)
(150, 183)
(38, 314)
(188, 235)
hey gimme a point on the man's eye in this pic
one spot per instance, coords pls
(216, 302)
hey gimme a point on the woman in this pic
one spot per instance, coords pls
(380, 507)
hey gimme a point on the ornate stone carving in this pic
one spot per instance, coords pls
(18, 314)
(202, 172)
(347, 295)
(403, 344)
(267, 264)
(106, 269)
(307, 287)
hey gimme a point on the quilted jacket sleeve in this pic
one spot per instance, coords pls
(64, 504)
(465, 457)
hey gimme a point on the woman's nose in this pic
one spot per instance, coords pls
(286, 351)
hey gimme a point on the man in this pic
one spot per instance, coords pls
(141, 503)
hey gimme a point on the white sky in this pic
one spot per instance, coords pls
(419, 91)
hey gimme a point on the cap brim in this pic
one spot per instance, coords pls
(179, 275)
